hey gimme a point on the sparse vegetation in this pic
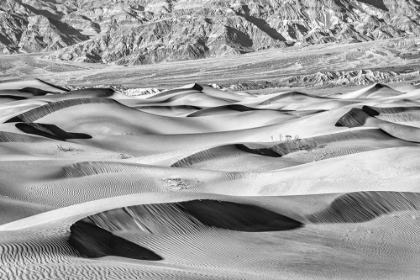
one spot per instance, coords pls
(176, 184)
(124, 156)
(65, 149)
(286, 138)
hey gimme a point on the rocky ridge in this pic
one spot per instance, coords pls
(153, 31)
(325, 79)
(320, 79)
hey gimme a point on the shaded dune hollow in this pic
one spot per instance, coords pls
(11, 98)
(187, 216)
(34, 91)
(94, 236)
(98, 92)
(357, 117)
(50, 131)
(394, 114)
(354, 118)
(94, 242)
(365, 206)
(222, 109)
(42, 111)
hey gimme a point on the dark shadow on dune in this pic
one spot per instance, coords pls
(34, 91)
(197, 87)
(98, 92)
(370, 111)
(354, 118)
(240, 108)
(236, 216)
(192, 216)
(233, 108)
(13, 97)
(14, 119)
(40, 112)
(94, 242)
(50, 131)
(52, 85)
(268, 152)
(389, 110)
(365, 206)
(394, 114)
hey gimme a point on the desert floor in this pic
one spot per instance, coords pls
(328, 67)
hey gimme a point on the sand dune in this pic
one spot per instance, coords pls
(31, 86)
(201, 183)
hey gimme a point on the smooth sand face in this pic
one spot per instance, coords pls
(199, 183)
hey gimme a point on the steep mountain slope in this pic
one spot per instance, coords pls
(31, 26)
(153, 31)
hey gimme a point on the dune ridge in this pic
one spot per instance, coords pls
(95, 242)
(6, 136)
(394, 114)
(192, 215)
(354, 118)
(50, 131)
(365, 206)
(42, 111)
(82, 169)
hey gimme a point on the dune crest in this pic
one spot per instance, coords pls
(366, 206)
(95, 242)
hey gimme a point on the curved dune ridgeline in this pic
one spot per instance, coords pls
(42, 111)
(366, 117)
(354, 118)
(366, 206)
(95, 242)
(50, 131)
(192, 215)
(198, 182)
(17, 137)
(394, 114)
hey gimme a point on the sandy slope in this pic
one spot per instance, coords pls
(199, 183)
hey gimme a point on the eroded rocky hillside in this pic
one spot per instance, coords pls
(153, 31)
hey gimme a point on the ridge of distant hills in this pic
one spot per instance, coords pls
(128, 32)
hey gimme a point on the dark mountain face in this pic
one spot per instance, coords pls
(153, 31)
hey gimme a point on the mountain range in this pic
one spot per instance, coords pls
(133, 32)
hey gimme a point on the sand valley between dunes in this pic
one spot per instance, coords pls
(196, 182)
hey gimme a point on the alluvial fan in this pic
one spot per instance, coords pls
(201, 183)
